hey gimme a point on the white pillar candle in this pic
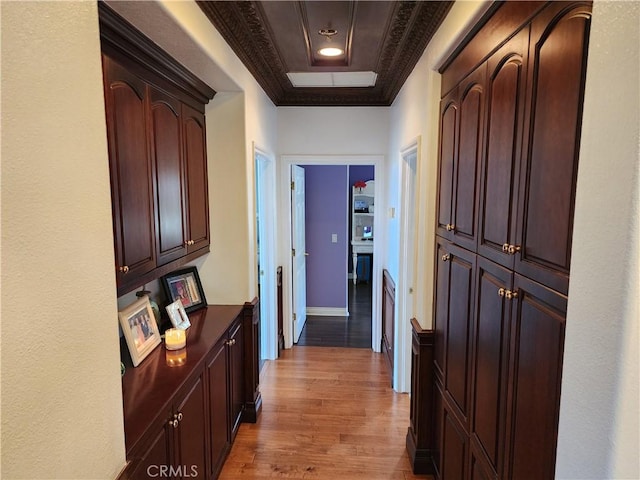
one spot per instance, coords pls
(175, 339)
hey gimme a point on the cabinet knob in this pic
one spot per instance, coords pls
(501, 292)
(446, 257)
(510, 295)
(505, 247)
(189, 242)
(513, 249)
(124, 269)
(450, 227)
(179, 416)
(173, 423)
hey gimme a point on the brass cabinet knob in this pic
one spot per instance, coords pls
(510, 295)
(192, 242)
(446, 257)
(513, 249)
(450, 227)
(173, 423)
(179, 416)
(505, 247)
(189, 242)
(501, 292)
(124, 269)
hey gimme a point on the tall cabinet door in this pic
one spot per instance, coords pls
(537, 345)
(467, 164)
(196, 163)
(449, 111)
(500, 165)
(192, 433)
(218, 380)
(131, 171)
(557, 65)
(459, 331)
(169, 174)
(490, 361)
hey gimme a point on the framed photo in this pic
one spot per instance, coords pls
(184, 285)
(140, 329)
(178, 315)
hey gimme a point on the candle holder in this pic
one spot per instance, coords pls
(176, 358)
(175, 339)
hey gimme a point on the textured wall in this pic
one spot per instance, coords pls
(61, 390)
(598, 432)
(326, 213)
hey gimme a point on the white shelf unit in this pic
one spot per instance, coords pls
(362, 208)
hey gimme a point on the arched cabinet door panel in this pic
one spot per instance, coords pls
(467, 165)
(449, 111)
(195, 154)
(131, 171)
(500, 166)
(169, 177)
(553, 120)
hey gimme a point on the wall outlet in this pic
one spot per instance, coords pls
(334, 238)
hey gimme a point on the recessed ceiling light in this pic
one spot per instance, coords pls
(330, 52)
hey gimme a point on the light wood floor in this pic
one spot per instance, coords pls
(328, 413)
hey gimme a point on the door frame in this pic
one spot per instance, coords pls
(405, 303)
(268, 252)
(284, 226)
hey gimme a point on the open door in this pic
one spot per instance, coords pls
(298, 252)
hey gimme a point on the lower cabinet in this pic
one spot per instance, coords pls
(226, 394)
(180, 421)
(178, 447)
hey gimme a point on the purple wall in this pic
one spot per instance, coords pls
(356, 172)
(327, 212)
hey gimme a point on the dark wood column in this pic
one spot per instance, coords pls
(420, 438)
(253, 399)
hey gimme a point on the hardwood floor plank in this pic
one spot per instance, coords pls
(328, 413)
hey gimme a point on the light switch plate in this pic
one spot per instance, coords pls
(334, 238)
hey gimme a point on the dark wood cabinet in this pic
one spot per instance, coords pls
(195, 152)
(166, 146)
(219, 414)
(536, 350)
(126, 101)
(500, 166)
(236, 373)
(191, 434)
(157, 153)
(555, 92)
(510, 129)
(185, 415)
(456, 269)
(388, 318)
(461, 134)
(158, 453)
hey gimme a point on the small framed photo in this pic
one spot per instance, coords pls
(178, 315)
(184, 285)
(140, 329)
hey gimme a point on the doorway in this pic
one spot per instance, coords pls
(265, 194)
(286, 242)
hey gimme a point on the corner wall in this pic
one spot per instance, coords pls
(598, 431)
(61, 388)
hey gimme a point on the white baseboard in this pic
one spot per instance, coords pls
(328, 311)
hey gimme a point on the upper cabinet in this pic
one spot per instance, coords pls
(509, 137)
(157, 155)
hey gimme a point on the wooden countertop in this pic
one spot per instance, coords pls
(147, 390)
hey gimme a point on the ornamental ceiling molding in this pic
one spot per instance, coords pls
(244, 27)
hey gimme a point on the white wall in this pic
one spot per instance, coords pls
(61, 389)
(598, 433)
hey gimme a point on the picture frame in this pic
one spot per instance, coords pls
(185, 285)
(178, 315)
(140, 329)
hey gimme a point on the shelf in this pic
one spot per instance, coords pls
(363, 213)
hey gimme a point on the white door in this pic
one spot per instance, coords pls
(298, 253)
(265, 208)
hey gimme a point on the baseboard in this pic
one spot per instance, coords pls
(421, 460)
(328, 311)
